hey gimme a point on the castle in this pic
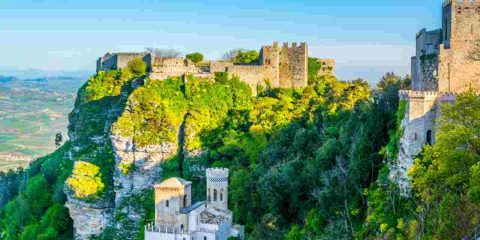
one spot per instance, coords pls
(176, 218)
(441, 68)
(279, 66)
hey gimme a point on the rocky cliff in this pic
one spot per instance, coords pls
(126, 128)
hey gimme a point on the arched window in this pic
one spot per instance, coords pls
(214, 195)
(204, 238)
(181, 227)
(167, 203)
(429, 137)
(185, 200)
(416, 137)
(209, 197)
(221, 195)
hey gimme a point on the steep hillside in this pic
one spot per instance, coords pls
(300, 159)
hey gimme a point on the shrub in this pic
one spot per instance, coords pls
(195, 57)
(86, 181)
(137, 67)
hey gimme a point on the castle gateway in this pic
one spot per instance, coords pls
(283, 66)
(442, 67)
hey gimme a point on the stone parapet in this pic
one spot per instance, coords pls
(408, 94)
(217, 172)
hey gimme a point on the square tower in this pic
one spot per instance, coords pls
(461, 32)
(171, 196)
(269, 57)
(217, 188)
(293, 65)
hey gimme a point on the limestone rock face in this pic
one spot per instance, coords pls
(137, 168)
(89, 219)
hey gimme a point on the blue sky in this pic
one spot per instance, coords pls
(367, 38)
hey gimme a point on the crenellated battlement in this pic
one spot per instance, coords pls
(407, 94)
(285, 66)
(217, 172)
(461, 3)
(295, 45)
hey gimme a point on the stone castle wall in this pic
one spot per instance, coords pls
(293, 65)
(461, 22)
(270, 59)
(163, 68)
(442, 64)
(250, 74)
(120, 60)
(285, 67)
(327, 67)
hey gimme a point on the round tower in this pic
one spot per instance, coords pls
(217, 188)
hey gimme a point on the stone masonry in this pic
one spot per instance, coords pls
(285, 66)
(441, 69)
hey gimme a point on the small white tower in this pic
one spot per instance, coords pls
(217, 188)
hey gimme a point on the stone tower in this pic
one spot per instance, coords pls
(441, 68)
(461, 30)
(171, 196)
(217, 188)
(293, 65)
(270, 60)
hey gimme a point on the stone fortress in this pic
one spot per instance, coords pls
(176, 218)
(279, 66)
(441, 68)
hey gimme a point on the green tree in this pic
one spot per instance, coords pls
(137, 67)
(247, 57)
(442, 176)
(195, 57)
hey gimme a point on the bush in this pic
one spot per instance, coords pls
(86, 181)
(137, 67)
(195, 57)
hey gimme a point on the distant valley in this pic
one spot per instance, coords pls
(32, 111)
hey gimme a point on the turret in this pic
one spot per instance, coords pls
(217, 188)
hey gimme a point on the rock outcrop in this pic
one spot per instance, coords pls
(89, 219)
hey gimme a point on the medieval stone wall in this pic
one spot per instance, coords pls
(284, 67)
(250, 74)
(120, 60)
(293, 65)
(462, 30)
(327, 67)
(270, 60)
(163, 68)
(441, 68)
(418, 130)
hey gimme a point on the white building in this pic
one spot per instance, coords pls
(176, 218)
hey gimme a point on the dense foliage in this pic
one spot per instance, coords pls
(247, 56)
(35, 209)
(309, 163)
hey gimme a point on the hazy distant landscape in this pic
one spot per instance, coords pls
(31, 112)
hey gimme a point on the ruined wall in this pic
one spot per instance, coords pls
(327, 67)
(425, 64)
(461, 21)
(219, 66)
(250, 74)
(163, 68)
(120, 60)
(286, 67)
